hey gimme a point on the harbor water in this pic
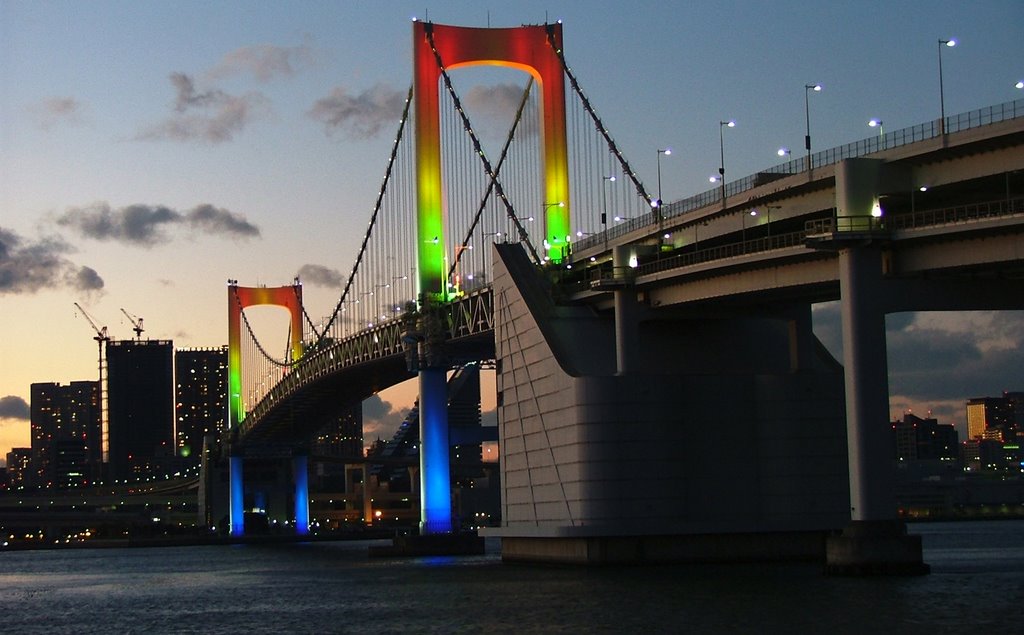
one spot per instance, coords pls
(976, 585)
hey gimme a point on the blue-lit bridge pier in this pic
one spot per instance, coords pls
(661, 393)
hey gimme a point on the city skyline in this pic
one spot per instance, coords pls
(150, 153)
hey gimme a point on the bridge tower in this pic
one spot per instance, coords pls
(532, 49)
(240, 298)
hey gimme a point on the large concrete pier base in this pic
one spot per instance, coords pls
(712, 447)
(792, 546)
(874, 548)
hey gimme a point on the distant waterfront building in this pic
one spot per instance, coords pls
(201, 405)
(18, 462)
(66, 434)
(983, 455)
(341, 437)
(140, 389)
(991, 418)
(917, 439)
(1016, 400)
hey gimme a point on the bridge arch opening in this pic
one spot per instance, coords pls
(532, 49)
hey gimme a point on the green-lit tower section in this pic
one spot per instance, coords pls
(535, 50)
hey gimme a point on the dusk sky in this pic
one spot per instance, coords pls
(149, 151)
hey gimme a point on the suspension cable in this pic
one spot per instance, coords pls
(626, 170)
(490, 184)
(376, 210)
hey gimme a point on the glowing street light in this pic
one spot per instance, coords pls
(877, 123)
(942, 98)
(666, 152)
(807, 117)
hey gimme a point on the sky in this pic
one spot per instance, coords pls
(149, 151)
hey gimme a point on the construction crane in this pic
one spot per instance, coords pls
(101, 337)
(136, 324)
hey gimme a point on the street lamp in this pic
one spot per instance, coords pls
(721, 149)
(666, 152)
(1019, 84)
(767, 216)
(807, 117)
(942, 98)
(877, 123)
(604, 207)
(548, 206)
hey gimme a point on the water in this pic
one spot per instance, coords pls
(976, 585)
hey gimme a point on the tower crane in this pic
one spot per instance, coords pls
(101, 337)
(136, 324)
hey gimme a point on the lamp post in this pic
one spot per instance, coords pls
(721, 150)
(548, 206)
(666, 152)
(807, 117)
(604, 208)
(657, 205)
(877, 123)
(768, 218)
(942, 96)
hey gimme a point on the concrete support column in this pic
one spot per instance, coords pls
(236, 496)
(876, 541)
(300, 477)
(867, 384)
(801, 333)
(626, 337)
(435, 474)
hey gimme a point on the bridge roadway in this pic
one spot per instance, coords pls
(761, 249)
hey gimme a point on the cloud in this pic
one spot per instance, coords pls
(57, 110)
(956, 355)
(27, 267)
(320, 275)
(264, 61)
(497, 105)
(12, 407)
(215, 220)
(213, 116)
(939, 360)
(360, 116)
(381, 418)
(145, 225)
(88, 280)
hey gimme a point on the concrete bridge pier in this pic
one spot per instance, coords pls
(876, 540)
(284, 495)
(655, 437)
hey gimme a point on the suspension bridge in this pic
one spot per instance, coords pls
(547, 253)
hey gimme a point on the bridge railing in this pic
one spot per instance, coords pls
(470, 315)
(958, 214)
(929, 130)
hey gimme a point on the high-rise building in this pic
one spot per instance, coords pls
(991, 418)
(1016, 400)
(201, 405)
(140, 389)
(66, 434)
(18, 462)
(918, 439)
(341, 437)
